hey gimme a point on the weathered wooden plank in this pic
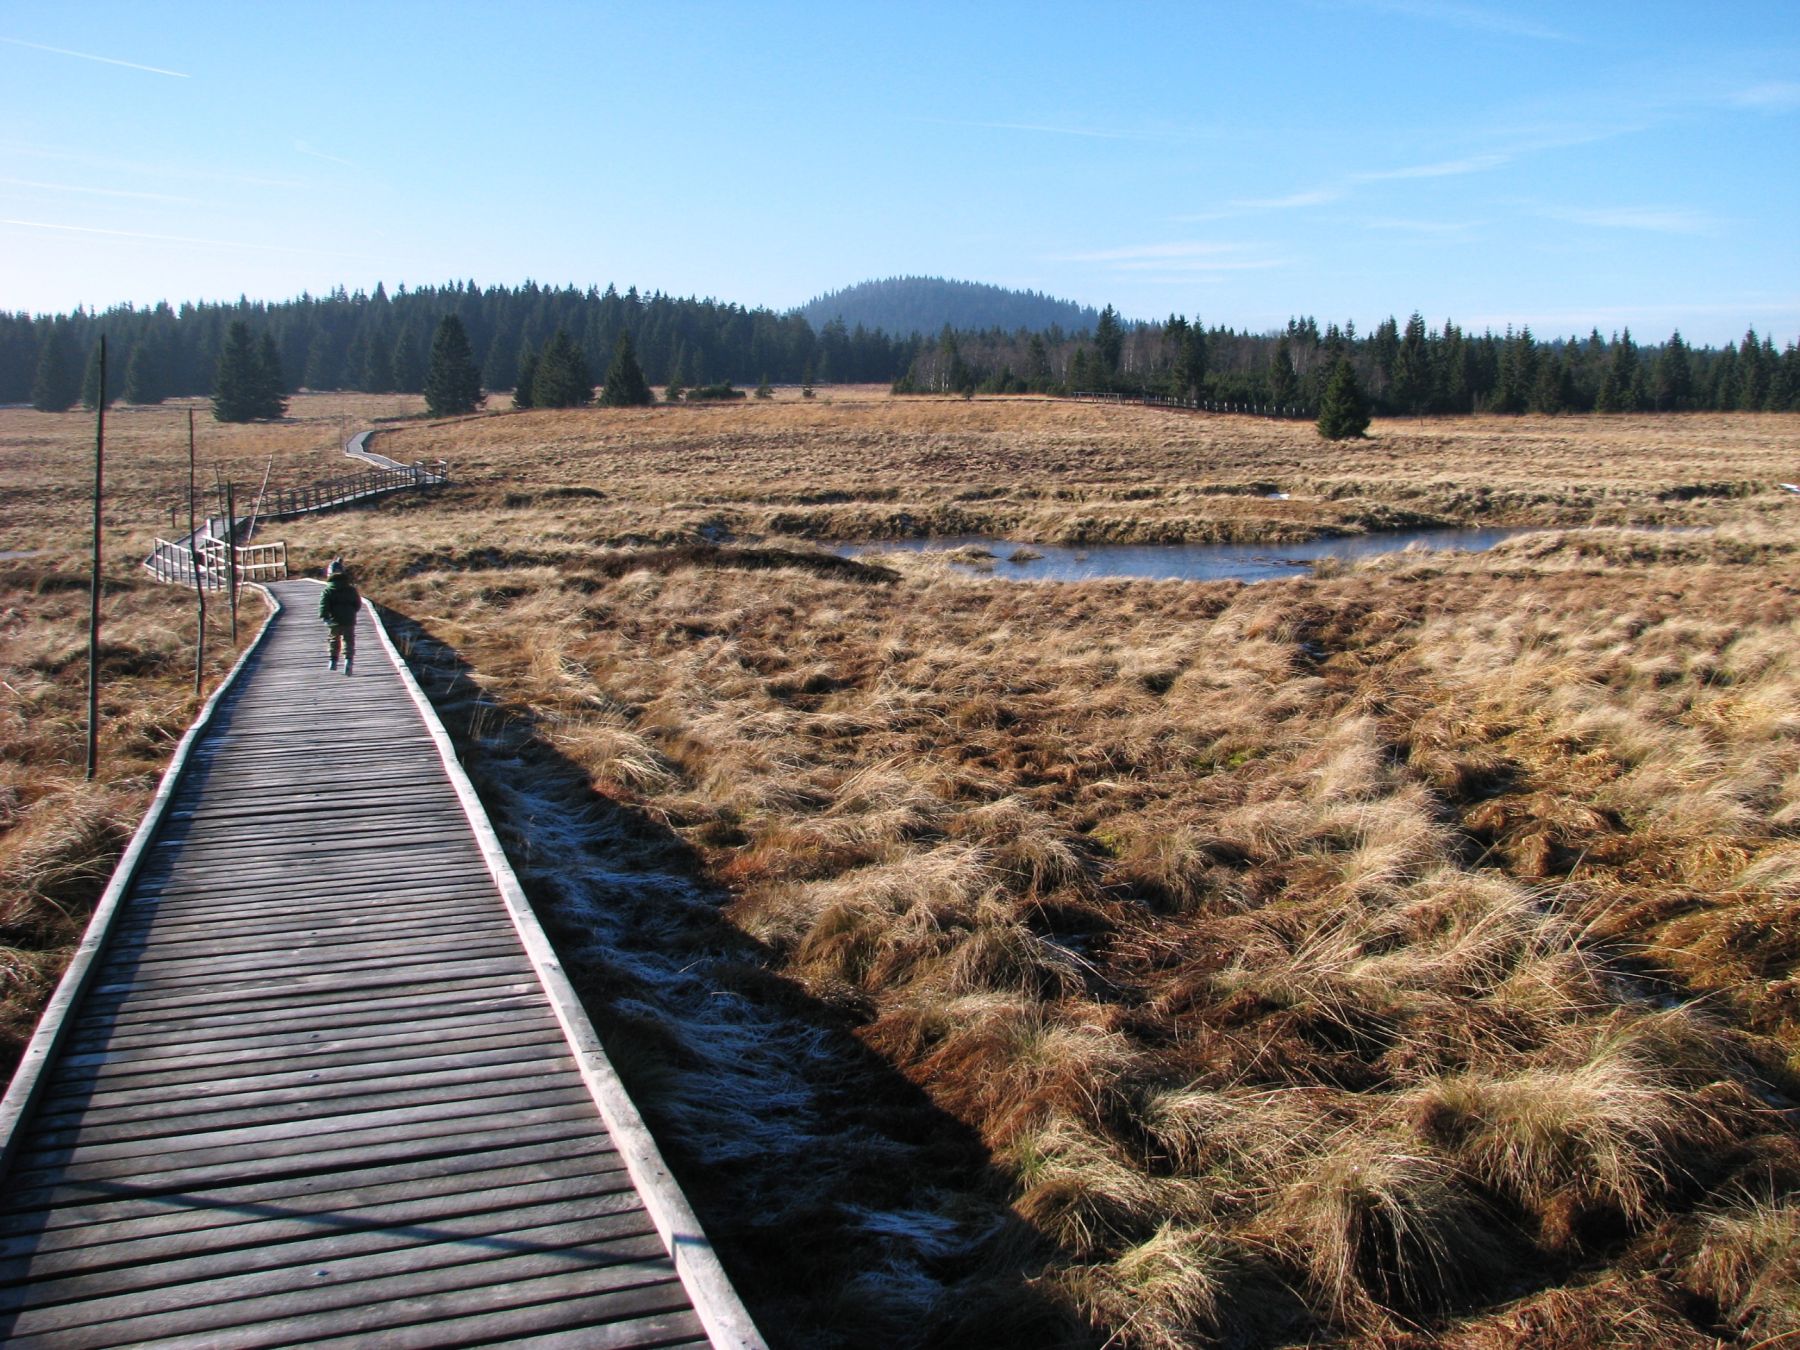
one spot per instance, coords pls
(167, 1061)
(585, 1255)
(149, 976)
(599, 1225)
(76, 1122)
(200, 1169)
(126, 1213)
(247, 937)
(351, 1010)
(402, 973)
(618, 1313)
(603, 1187)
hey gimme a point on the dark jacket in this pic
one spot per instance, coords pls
(338, 602)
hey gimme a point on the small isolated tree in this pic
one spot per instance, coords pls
(245, 387)
(676, 386)
(53, 387)
(453, 384)
(625, 386)
(1343, 411)
(763, 389)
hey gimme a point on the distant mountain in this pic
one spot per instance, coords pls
(903, 305)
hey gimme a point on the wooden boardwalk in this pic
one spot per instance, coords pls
(315, 1080)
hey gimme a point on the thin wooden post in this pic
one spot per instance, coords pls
(194, 562)
(231, 575)
(93, 727)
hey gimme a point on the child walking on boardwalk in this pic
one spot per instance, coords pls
(338, 604)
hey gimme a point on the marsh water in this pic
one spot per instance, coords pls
(1179, 562)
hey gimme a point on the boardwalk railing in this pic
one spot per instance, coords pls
(174, 562)
(297, 501)
(1289, 411)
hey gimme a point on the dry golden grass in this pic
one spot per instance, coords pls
(1401, 955)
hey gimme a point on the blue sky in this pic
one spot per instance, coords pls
(1561, 165)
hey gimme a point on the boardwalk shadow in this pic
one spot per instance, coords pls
(849, 1209)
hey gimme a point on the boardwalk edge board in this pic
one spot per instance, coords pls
(721, 1312)
(40, 1052)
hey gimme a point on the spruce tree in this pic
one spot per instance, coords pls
(625, 386)
(239, 383)
(1193, 360)
(673, 390)
(562, 379)
(1753, 373)
(524, 381)
(53, 388)
(1619, 390)
(1284, 384)
(1673, 384)
(90, 381)
(452, 385)
(1109, 343)
(1411, 384)
(271, 384)
(143, 382)
(1343, 411)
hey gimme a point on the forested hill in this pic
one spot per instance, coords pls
(904, 305)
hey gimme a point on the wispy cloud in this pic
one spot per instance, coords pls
(89, 56)
(1652, 316)
(1184, 257)
(1407, 225)
(1770, 96)
(1311, 197)
(171, 238)
(1479, 18)
(1654, 219)
(1327, 193)
(146, 168)
(1443, 168)
(96, 191)
(304, 148)
(1050, 129)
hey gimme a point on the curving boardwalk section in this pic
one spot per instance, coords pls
(322, 1083)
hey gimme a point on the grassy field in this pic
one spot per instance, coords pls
(1400, 955)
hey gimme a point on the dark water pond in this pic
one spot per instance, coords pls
(1181, 562)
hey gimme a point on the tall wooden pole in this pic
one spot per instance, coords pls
(93, 729)
(231, 568)
(194, 562)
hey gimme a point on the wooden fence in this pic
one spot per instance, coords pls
(1291, 412)
(174, 562)
(279, 502)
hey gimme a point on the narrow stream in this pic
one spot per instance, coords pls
(1177, 562)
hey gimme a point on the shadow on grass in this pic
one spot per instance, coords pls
(847, 1207)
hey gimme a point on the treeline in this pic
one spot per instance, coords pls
(1403, 370)
(381, 343)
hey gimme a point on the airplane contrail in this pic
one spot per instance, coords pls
(89, 56)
